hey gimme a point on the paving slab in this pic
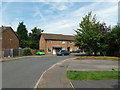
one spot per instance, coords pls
(95, 84)
(56, 77)
(93, 65)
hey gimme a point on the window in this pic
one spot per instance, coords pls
(76, 49)
(70, 49)
(63, 42)
(49, 41)
(49, 50)
(63, 48)
(70, 42)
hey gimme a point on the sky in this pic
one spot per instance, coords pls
(60, 17)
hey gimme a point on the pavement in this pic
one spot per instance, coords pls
(25, 72)
(55, 77)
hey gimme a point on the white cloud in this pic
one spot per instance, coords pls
(38, 13)
(106, 13)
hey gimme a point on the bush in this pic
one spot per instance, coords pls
(89, 52)
(27, 51)
(73, 51)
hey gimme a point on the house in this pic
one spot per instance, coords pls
(50, 43)
(8, 38)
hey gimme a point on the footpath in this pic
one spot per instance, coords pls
(55, 77)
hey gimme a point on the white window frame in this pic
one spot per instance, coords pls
(71, 49)
(63, 48)
(71, 42)
(76, 49)
(63, 42)
(48, 50)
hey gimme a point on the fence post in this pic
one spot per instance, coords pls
(2, 53)
(19, 52)
(11, 52)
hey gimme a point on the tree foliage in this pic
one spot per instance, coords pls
(113, 40)
(91, 34)
(26, 39)
(22, 31)
(35, 37)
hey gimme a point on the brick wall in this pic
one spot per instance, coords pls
(42, 44)
(9, 39)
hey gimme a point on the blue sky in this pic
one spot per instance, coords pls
(56, 17)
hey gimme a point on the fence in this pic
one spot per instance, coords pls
(12, 52)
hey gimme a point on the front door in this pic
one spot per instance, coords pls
(68, 49)
(54, 51)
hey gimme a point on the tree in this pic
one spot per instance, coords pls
(35, 37)
(113, 40)
(90, 36)
(22, 34)
(22, 31)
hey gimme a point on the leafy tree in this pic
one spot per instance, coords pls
(22, 34)
(113, 40)
(35, 37)
(90, 35)
(22, 31)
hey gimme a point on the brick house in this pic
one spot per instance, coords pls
(50, 43)
(8, 38)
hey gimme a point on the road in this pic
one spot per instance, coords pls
(24, 73)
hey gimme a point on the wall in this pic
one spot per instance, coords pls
(6, 36)
(42, 43)
(54, 42)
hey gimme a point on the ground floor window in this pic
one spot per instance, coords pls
(63, 48)
(49, 50)
(71, 49)
(76, 49)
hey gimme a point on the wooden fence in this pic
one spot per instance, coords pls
(12, 52)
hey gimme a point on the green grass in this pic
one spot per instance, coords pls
(97, 58)
(92, 75)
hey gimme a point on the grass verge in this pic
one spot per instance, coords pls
(93, 75)
(97, 58)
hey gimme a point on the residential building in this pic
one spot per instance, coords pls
(50, 43)
(8, 38)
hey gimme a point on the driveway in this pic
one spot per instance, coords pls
(24, 73)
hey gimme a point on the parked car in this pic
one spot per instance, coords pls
(62, 52)
(40, 52)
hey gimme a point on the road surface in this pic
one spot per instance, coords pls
(24, 73)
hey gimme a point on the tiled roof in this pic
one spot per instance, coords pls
(57, 36)
(4, 28)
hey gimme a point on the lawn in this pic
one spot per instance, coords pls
(97, 58)
(92, 75)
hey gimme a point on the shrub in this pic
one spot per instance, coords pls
(73, 51)
(89, 52)
(27, 51)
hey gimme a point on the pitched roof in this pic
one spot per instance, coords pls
(57, 36)
(4, 28)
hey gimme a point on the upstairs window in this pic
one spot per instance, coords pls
(63, 48)
(49, 50)
(70, 42)
(49, 41)
(63, 42)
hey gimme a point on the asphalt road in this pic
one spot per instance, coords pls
(24, 73)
